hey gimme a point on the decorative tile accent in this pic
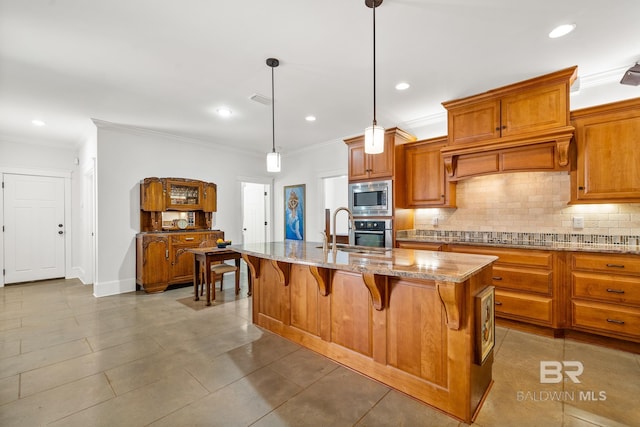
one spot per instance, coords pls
(515, 238)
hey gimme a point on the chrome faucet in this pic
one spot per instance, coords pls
(334, 223)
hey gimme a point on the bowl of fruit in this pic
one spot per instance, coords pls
(223, 243)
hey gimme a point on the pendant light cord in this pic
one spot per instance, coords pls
(374, 63)
(273, 115)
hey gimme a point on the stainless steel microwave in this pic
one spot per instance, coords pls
(373, 198)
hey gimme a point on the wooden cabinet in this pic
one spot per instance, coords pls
(175, 216)
(605, 295)
(164, 201)
(209, 197)
(367, 167)
(426, 181)
(183, 194)
(527, 284)
(608, 154)
(486, 130)
(528, 109)
(163, 258)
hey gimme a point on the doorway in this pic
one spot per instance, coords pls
(256, 208)
(35, 227)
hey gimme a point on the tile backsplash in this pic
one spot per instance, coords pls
(529, 202)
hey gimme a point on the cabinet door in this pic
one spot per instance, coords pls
(425, 176)
(151, 195)
(152, 262)
(534, 110)
(183, 195)
(358, 167)
(475, 122)
(608, 159)
(381, 165)
(209, 197)
(180, 257)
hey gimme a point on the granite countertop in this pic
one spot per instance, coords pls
(556, 246)
(408, 263)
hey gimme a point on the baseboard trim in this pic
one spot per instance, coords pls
(115, 287)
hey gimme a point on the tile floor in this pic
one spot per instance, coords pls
(69, 359)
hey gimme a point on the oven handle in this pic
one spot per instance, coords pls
(368, 232)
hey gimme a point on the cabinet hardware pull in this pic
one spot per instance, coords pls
(615, 291)
(497, 278)
(166, 254)
(617, 322)
(498, 128)
(504, 127)
(188, 239)
(615, 265)
(580, 188)
(498, 303)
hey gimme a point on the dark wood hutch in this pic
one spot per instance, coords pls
(176, 214)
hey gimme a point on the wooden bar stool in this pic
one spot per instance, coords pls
(218, 271)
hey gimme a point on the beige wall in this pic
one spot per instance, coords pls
(528, 202)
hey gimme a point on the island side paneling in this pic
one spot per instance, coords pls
(407, 345)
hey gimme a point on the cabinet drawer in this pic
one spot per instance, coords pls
(528, 257)
(196, 239)
(425, 246)
(617, 264)
(606, 318)
(607, 288)
(524, 307)
(520, 279)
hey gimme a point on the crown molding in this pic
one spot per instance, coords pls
(137, 130)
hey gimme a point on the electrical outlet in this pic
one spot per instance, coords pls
(434, 221)
(578, 222)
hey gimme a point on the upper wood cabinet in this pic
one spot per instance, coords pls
(367, 167)
(166, 203)
(426, 184)
(183, 194)
(608, 153)
(524, 114)
(210, 197)
(152, 194)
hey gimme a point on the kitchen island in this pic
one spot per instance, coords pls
(406, 318)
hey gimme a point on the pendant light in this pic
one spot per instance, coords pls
(273, 158)
(374, 134)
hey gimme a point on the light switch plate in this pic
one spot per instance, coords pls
(434, 221)
(578, 222)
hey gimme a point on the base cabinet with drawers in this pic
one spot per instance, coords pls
(164, 259)
(605, 295)
(528, 286)
(593, 296)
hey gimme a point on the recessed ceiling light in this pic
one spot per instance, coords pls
(402, 86)
(310, 118)
(223, 111)
(561, 30)
(38, 122)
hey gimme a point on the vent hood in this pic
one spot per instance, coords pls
(524, 126)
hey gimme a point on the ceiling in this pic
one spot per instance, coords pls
(167, 65)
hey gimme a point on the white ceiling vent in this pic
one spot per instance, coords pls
(261, 99)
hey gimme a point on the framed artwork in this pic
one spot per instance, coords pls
(485, 323)
(294, 221)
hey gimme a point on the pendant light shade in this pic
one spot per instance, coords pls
(374, 134)
(273, 158)
(374, 139)
(273, 162)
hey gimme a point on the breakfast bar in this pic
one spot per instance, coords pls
(410, 319)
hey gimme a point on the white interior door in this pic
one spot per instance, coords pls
(33, 228)
(254, 220)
